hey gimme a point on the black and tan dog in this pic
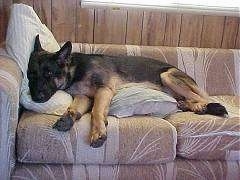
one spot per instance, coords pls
(95, 78)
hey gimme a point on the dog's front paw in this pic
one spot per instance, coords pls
(98, 140)
(98, 135)
(64, 123)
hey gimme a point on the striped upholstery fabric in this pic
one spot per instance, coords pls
(10, 81)
(207, 137)
(178, 170)
(132, 140)
(215, 70)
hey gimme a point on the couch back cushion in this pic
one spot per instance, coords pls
(214, 70)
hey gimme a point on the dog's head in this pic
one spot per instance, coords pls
(48, 72)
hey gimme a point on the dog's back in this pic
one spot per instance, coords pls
(127, 68)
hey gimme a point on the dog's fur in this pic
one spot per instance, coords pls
(95, 78)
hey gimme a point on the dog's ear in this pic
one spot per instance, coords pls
(64, 53)
(37, 44)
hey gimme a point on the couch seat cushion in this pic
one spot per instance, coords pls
(179, 169)
(209, 137)
(133, 140)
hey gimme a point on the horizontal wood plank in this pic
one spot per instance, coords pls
(237, 42)
(153, 28)
(134, 27)
(110, 26)
(85, 25)
(230, 32)
(64, 20)
(27, 2)
(191, 29)
(4, 16)
(44, 10)
(212, 33)
(172, 31)
(68, 21)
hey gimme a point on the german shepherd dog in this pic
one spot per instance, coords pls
(92, 79)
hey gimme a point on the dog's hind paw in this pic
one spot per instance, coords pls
(217, 110)
(64, 123)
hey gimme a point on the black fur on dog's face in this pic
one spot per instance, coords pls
(47, 72)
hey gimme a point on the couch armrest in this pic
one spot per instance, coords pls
(10, 82)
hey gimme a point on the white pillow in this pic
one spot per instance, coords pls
(23, 27)
(138, 99)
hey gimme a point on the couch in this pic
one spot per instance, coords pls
(183, 146)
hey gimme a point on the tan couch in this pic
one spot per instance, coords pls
(183, 146)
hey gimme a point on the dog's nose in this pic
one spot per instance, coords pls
(41, 96)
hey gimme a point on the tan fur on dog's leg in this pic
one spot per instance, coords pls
(181, 84)
(79, 106)
(102, 101)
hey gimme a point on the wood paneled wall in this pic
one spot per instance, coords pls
(70, 22)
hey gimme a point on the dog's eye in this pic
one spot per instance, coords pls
(48, 74)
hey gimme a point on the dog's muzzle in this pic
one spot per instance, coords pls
(60, 82)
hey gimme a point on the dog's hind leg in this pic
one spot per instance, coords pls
(195, 99)
(102, 99)
(79, 106)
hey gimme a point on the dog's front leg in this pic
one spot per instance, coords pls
(80, 105)
(100, 108)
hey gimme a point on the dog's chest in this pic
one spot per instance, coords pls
(82, 88)
(88, 82)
